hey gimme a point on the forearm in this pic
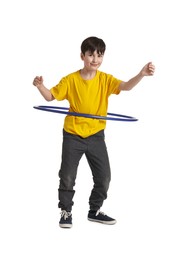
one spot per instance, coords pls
(45, 93)
(147, 70)
(128, 85)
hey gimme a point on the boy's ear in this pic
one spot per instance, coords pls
(82, 56)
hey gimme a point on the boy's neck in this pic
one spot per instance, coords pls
(87, 74)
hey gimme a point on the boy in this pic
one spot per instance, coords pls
(87, 91)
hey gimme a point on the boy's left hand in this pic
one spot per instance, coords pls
(148, 69)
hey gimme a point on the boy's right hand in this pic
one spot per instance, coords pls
(38, 81)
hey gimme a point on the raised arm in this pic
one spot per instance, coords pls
(38, 82)
(147, 70)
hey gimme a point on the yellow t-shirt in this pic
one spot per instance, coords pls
(86, 96)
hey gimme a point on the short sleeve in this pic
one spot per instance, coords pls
(113, 85)
(60, 91)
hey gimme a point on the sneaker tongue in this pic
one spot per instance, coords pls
(100, 212)
(65, 214)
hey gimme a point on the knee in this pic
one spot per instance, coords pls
(106, 182)
(66, 182)
(103, 182)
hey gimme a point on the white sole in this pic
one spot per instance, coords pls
(103, 222)
(65, 225)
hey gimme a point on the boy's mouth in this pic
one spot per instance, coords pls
(94, 64)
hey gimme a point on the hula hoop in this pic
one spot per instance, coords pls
(65, 110)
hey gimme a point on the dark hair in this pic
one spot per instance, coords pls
(93, 43)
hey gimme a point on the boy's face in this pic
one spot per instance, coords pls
(92, 61)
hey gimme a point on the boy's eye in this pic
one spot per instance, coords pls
(99, 55)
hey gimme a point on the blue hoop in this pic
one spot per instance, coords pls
(114, 117)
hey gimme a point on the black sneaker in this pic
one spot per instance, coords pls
(66, 219)
(98, 216)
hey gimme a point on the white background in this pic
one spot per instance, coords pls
(43, 38)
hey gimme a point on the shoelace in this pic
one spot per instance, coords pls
(65, 214)
(100, 212)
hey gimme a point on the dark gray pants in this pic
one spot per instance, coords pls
(94, 148)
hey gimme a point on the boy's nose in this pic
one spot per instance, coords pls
(95, 59)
